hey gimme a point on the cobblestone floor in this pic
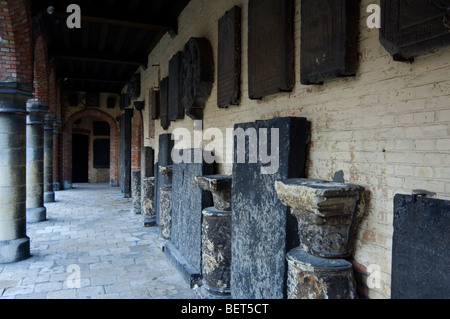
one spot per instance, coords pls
(92, 246)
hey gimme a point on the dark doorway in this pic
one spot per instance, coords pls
(80, 158)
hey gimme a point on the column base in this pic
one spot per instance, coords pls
(14, 250)
(49, 197)
(149, 222)
(204, 292)
(311, 277)
(56, 186)
(36, 215)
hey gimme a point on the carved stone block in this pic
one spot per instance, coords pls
(329, 36)
(136, 191)
(176, 109)
(229, 59)
(412, 28)
(311, 277)
(326, 212)
(148, 202)
(197, 76)
(270, 47)
(216, 251)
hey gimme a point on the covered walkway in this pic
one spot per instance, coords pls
(92, 246)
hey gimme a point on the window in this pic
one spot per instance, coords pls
(101, 153)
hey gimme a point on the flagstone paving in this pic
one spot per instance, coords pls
(92, 246)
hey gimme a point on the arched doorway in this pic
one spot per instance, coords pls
(68, 145)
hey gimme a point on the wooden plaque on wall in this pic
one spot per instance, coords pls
(412, 28)
(229, 59)
(270, 47)
(329, 37)
(176, 110)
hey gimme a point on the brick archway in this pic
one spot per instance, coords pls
(114, 140)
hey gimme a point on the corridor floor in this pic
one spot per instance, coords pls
(92, 246)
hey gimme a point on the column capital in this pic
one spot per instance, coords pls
(327, 214)
(220, 187)
(36, 112)
(49, 121)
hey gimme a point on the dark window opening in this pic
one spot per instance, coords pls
(101, 153)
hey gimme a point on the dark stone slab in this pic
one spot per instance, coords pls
(164, 103)
(147, 162)
(176, 109)
(329, 36)
(197, 76)
(125, 154)
(155, 104)
(270, 47)
(229, 59)
(420, 248)
(263, 230)
(412, 28)
(188, 201)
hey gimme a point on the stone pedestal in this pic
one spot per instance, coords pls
(311, 277)
(49, 194)
(136, 191)
(148, 202)
(165, 200)
(216, 237)
(327, 214)
(36, 212)
(14, 242)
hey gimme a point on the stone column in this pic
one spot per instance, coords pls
(216, 237)
(165, 214)
(49, 194)
(14, 242)
(56, 156)
(148, 202)
(136, 191)
(36, 212)
(327, 214)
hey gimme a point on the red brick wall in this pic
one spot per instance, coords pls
(16, 60)
(41, 71)
(136, 140)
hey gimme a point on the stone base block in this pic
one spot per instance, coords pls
(204, 293)
(14, 250)
(56, 186)
(189, 274)
(148, 222)
(49, 197)
(36, 215)
(311, 277)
